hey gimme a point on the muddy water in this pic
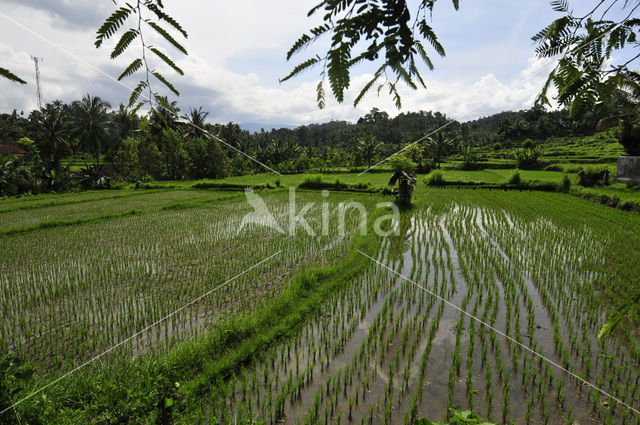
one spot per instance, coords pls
(387, 351)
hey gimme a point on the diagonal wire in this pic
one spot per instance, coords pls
(138, 333)
(535, 353)
(73, 55)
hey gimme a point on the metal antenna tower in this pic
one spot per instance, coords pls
(36, 60)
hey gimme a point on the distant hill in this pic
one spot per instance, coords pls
(255, 127)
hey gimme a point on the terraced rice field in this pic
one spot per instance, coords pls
(488, 300)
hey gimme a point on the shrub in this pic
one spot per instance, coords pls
(515, 178)
(593, 177)
(425, 166)
(566, 182)
(497, 146)
(630, 137)
(527, 159)
(528, 144)
(402, 163)
(316, 182)
(469, 160)
(436, 179)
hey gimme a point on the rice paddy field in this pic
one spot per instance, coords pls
(484, 299)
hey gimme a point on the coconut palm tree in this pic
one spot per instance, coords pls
(165, 116)
(195, 122)
(92, 124)
(53, 134)
(439, 147)
(125, 122)
(368, 148)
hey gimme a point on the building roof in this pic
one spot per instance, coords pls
(12, 150)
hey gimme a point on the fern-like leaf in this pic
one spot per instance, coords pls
(367, 86)
(560, 6)
(427, 33)
(423, 54)
(11, 76)
(136, 92)
(168, 19)
(162, 101)
(167, 60)
(316, 7)
(298, 45)
(112, 24)
(320, 94)
(338, 70)
(301, 67)
(167, 36)
(131, 69)
(165, 82)
(124, 42)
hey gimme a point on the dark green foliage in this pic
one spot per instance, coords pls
(53, 134)
(91, 122)
(112, 24)
(436, 179)
(378, 29)
(515, 178)
(316, 182)
(401, 162)
(439, 147)
(368, 148)
(16, 177)
(15, 377)
(231, 186)
(630, 137)
(593, 177)
(469, 160)
(566, 182)
(527, 159)
(11, 76)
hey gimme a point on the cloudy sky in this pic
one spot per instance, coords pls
(237, 54)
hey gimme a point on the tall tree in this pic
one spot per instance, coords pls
(368, 147)
(196, 123)
(91, 122)
(53, 134)
(439, 147)
(125, 122)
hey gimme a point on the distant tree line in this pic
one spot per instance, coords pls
(117, 144)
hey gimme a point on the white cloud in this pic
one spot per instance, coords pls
(240, 96)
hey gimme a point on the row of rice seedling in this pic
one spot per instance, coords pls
(388, 351)
(26, 217)
(73, 292)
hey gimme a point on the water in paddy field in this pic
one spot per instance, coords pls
(385, 351)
